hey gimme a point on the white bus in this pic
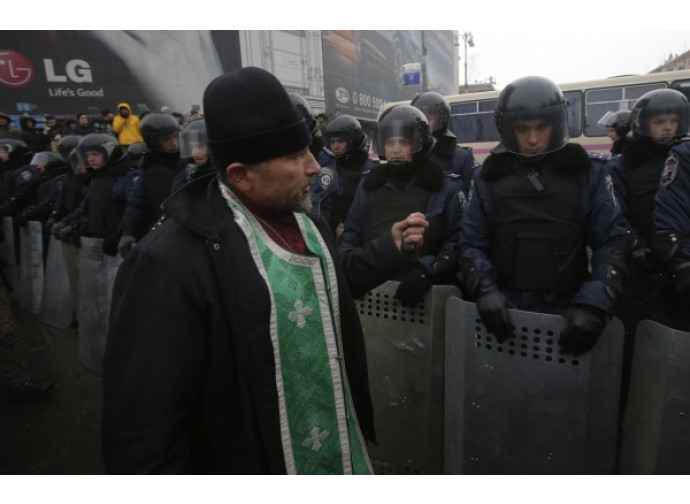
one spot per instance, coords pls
(472, 114)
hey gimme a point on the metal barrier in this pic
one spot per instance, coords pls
(519, 407)
(405, 358)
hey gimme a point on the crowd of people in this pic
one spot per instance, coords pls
(234, 345)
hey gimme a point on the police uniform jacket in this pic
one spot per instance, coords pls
(442, 207)
(189, 370)
(577, 196)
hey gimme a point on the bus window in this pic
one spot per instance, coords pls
(682, 86)
(600, 101)
(474, 121)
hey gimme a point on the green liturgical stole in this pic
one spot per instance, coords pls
(319, 428)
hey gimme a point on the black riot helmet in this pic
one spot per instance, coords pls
(407, 122)
(348, 129)
(52, 162)
(103, 143)
(305, 110)
(193, 137)
(136, 151)
(155, 126)
(659, 102)
(531, 98)
(437, 110)
(67, 144)
(619, 120)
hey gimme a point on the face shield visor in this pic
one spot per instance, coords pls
(193, 145)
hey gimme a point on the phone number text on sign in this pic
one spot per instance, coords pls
(366, 100)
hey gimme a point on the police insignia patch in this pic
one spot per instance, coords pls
(462, 199)
(325, 178)
(670, 170)
(26, 175)
(609, 188)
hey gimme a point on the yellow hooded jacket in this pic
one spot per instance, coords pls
(127, 129)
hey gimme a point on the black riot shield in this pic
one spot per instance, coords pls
(641, 296)
(70, 253)
(656, 430)
(96, 277)
(31, 269)
(519, 407)
(8, 256)
(405, 360)
(57, 309)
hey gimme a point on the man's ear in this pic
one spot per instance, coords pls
(236, 174)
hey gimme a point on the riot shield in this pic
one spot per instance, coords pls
(31, 270)
(656, 429)
(405, 359)
(641, 296)
(70, 253)
(57, 309)
(8, 258)
(519, 407)
(96, 277)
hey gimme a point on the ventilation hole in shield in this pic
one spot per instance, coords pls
(561, 360)
(499, 348)
(549, 350)
(575, 362)
(511, 352)
(537, 331)
(523, 354)
(488, 347)
(549, 358)
(523, 346)
(549, 332)
(537, 340)
(524, 329)
(535, 356)
(549, 342)
(524, 338)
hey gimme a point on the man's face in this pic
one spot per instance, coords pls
(398, 149)
(170, 143)
(50, 121)
(95, 160)
(83, 120)
(124, 112)
(613, 135)
(663, 127)
(338, 146)
(3, 122)
(4, 155)
(199, 153)
(284, 182)
(533, 136)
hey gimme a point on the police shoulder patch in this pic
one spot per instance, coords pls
(326, 177)
(27, 175)
(670, 169)
(609, 188)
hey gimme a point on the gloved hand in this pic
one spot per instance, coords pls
(492, 306)
(585, 325)
(64, 233)
(446, 266)
(413, 286)
(125, 244)
(57, 228)
(642, 257)
(19, 220)
(110, 243)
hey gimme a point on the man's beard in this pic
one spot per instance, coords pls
(302, 201)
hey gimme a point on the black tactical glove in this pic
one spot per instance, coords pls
(57, 229)
(413, 286)
(492, 306)
(110, 243)
(124, 246)
(447, 266)
(585, 325)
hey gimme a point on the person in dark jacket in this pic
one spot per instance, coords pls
(535, 206)
(100, 213)
(234, 345)
(618, 126)
(670, 243)
(194, 159)
(446, 151)
(157, 170)
(36, 140)
(407, 182)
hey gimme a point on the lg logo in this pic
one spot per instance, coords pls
(16, 71)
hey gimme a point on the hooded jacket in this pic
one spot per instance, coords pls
(127, 129)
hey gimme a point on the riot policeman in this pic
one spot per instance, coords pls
(100, 213)
(14, 154)
(161, 133)
(670, 243)
(535, 205)
(407, 182)
(194, 159)
(51, 166)
(21, 178)
(74, 181)
(344, 137)
(618, 126)
(446, 152)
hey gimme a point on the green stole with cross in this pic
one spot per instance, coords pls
(319, 429)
